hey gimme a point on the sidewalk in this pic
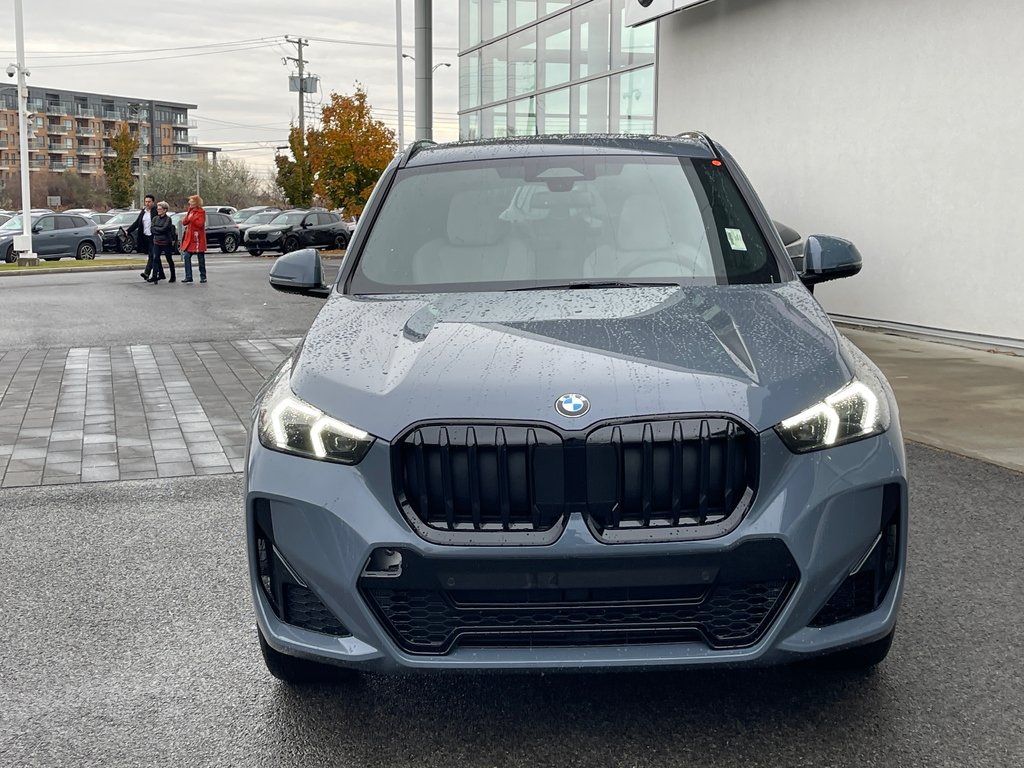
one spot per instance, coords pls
(89, 414)
(961, 400)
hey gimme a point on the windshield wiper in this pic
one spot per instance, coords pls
(597, 284)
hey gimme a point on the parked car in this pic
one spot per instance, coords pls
(245, 214)
(114, 239)
(54, 236)
(255, 220)
(100, 218)
(221, 232)
(5, 217)
(619, 433)
(296, 229)
(228, 209)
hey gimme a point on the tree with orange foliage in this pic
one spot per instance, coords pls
(349, 151)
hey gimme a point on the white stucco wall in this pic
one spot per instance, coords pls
(896, 123)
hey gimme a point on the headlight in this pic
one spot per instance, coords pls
(858, 410)
(273, 235)
(288, 424)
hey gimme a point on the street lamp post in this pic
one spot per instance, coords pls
(401, 85)
(23, 242)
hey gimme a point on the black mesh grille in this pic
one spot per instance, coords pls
(304, 609)
(476, 480)
(424, 621)
(727, 599)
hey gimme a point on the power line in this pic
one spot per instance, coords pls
(83, 54)
(369, 44)
(156, 58)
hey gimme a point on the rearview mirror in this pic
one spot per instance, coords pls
(829, 258)
(300, 272)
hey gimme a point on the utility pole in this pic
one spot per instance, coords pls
(299, 43)
(424, 70)
(23, 242)
(401, 85)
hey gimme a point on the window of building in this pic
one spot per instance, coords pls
(494, 19)
(553, 46)
(522, 62)
(589, 102)
(524, 117)
(469, 23)
(552, 6)
(494, 71)
(524, 11)
(469, 80)
(631, 46)
(554, 110)
(469, 125)
(635, 101)
(591, 39)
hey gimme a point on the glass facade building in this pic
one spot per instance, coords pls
(553, 66)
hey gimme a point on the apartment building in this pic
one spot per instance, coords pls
(72, 130)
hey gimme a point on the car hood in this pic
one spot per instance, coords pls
(762, 353)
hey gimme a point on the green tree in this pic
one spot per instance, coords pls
(295, 177)
(119, 167)
(349, 151)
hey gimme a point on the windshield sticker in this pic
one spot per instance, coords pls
(735, 238)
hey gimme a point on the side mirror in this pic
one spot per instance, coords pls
(829, 258)
(300, 272)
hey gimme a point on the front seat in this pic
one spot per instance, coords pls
(644, 245)
(478, 248)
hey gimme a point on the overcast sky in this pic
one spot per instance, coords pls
(244, 103)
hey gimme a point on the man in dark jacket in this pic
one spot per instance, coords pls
(143, 226)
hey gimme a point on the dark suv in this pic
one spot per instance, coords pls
(296, 229)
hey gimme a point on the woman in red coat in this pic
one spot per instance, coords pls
(194, 238)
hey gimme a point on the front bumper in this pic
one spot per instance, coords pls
(824, 510)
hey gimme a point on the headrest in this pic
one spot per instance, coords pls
(473, 220)
(642, 226)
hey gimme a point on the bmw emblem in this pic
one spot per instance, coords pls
(572, 405)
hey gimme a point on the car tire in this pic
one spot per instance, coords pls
(290, 244)
(341, 242)
(86, 252)
(128, 246)
(230, 244)
(862, 657)
(255, 252)
(296, 671)
(10, 256)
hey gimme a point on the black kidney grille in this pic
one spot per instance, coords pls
(481, 478)
(624, 478)
(668, 473)
(429, 621)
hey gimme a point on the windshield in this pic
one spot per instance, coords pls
(261, 218)
(12, 223)
(124, 218)
(289, 218)
(562, 222)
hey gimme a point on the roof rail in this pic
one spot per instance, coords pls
(699, 135)
(413, 148)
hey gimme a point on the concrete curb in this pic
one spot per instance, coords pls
(50, 271)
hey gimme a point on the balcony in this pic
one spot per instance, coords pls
(85, 112)
(85, 132)
(57, 128)
(89, 167)
(88, 149)
(60, 167)
(111, 115)
(58, 108)
(62, 148)
(109, 152)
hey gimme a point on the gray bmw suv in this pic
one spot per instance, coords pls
(570, 405)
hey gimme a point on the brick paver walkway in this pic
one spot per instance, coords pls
(127, 413)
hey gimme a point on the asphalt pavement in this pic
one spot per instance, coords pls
(128, 638)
